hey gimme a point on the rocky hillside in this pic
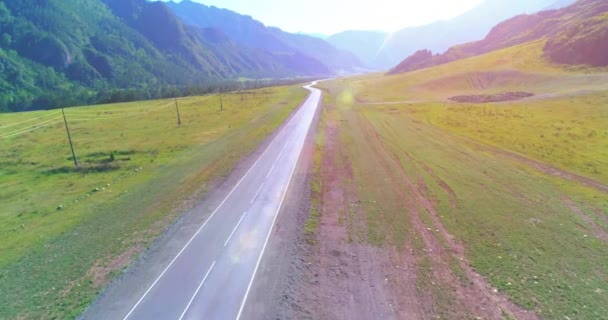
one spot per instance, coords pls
(389, 49)
(577, 34)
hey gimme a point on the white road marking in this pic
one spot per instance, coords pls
(235, 227)
(281, 153)
(271, 169)
(257, 194)
(276, 160)
(257, 265)
(200, 285)
(201, 228)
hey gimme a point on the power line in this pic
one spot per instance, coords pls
(29, 130)
(32, 126)
(114, 116)
(87, 113)
(28, 120)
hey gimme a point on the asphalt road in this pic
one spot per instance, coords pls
(211, 275)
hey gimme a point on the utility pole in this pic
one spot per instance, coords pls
(221, 102)
(179, 119)
(67, 129)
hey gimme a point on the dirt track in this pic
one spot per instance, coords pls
(349, 279)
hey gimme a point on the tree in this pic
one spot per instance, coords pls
(6, 40)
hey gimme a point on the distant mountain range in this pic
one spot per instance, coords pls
(384, 50)
(577, 34)
(245, 30)
(365, 44)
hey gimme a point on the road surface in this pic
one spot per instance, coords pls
(210, 276)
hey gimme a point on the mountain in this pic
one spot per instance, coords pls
(575, 35)
(439, 36)
(364, 44)
(315, 35)
(559, 4)
(247, 31)
(66, 52)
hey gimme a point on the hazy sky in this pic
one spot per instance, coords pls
(332, 16)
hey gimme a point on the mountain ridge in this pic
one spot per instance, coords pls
(248, 31)
(576, 34)
(441, 35)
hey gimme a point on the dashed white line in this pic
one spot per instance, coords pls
(281, 153)
(235, 227)
(276, 138)
(203, 226)
(276, 160)
(271, 169)
(257, 194)
(200, 285)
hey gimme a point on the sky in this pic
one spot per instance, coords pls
(333, 16)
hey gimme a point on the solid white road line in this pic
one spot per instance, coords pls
(257, 194)
(204, 224)
(235, 227)
(257, 265)
(197, 290)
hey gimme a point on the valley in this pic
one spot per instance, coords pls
(176, 160)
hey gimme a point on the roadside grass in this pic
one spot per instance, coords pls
(312, 223)
(513, 222)
(316, 183)
(568, 133)
(139, 170)
(512, 219)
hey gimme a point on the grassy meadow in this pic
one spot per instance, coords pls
(436, 177)
(65, 232)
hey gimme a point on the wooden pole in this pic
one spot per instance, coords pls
(179, 119)
(67, 129)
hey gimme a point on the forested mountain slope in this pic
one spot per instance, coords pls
(67, 52)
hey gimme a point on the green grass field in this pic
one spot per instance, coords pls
(65, 232)
(568, 133)
(426, 166)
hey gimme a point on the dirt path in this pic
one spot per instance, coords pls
(347, 278)
(597, 230)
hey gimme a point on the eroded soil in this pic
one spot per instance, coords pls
(425, 277)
